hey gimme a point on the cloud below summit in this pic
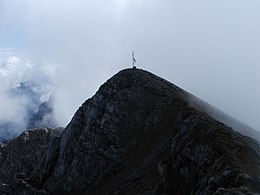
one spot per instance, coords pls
(210, 48)
(24, 86)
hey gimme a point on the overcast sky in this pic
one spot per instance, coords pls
(210, 48)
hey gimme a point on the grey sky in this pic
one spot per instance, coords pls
(210, 48)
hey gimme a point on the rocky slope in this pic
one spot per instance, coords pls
(139, 134)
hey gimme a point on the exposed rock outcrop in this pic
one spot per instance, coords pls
(27, 160)
(139, 134)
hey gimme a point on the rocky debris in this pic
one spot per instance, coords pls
(139, 134)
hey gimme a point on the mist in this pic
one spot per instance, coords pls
(209, 48)
(24, 87)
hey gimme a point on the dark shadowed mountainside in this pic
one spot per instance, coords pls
(139, 134)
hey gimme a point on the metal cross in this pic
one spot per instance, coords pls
(134, 60)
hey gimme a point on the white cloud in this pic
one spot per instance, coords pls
(210, 48)
(23, 87)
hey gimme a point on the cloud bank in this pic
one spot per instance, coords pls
(24, 86)
(209, 48)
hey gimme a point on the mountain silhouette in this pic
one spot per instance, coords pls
(139, 134)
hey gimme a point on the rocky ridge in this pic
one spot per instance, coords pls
(139, 134)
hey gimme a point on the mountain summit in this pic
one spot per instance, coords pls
(139, 134)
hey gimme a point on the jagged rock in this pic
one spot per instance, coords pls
(29, 158)
(139, 134)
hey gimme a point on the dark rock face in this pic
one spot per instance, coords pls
(139, 134)
(27, 160)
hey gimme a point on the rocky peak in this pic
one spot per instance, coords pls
(139, 134)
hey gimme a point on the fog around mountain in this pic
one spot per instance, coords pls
(25, 89)
(139, 134)
(68, 48)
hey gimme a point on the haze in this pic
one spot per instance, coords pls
(210, 48)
